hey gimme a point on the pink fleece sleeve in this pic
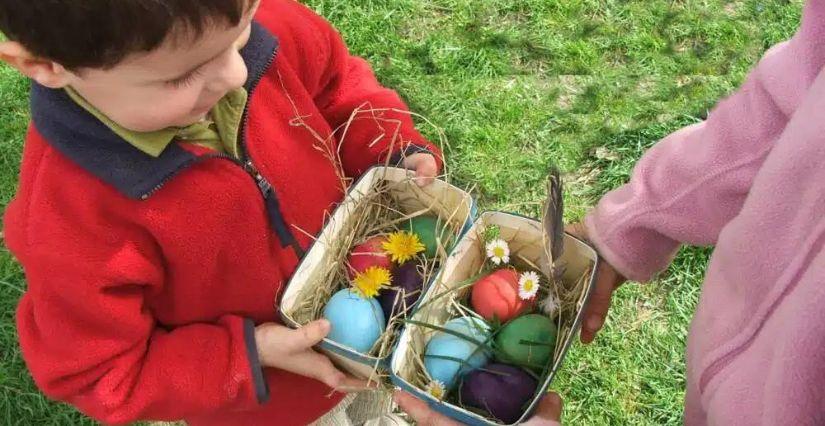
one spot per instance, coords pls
(687, 187)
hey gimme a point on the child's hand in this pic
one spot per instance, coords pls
(607, 281)
(425, 166)
(548, 412)
(291, 350)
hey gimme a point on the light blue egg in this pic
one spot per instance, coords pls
(357, 322)
(444, 344)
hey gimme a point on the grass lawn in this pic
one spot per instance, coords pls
(516, 85)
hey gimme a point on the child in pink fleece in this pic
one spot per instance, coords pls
(751, 181)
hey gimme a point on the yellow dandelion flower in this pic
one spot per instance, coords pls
(371, 281)
(403, 246)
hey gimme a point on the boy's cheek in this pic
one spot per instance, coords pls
(150, 110)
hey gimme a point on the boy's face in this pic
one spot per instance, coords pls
(174, 85)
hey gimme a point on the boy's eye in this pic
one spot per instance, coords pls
(186, 80)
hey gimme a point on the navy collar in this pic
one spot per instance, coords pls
(94, 147)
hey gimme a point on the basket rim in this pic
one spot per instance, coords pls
(467, 416)
(331, 345)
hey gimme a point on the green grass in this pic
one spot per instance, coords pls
(516, 85)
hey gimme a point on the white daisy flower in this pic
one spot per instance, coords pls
(436, 389)
(528, 285)
(498, 251)
(550, 305)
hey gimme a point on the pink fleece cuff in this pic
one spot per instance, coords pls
(634, 271)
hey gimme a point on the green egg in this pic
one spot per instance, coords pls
(527, 340)
(428, 228)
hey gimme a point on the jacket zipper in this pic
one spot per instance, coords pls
(271, 202)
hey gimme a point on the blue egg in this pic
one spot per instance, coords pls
(441, 358)
(357, 322)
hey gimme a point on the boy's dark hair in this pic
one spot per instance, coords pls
(101, 33)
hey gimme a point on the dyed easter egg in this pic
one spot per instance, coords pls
(496, 296)
(357, 322)
(429, 231)
(407, 287)
(527, 340)
(448, 356)
(368, 254)
(502, 390)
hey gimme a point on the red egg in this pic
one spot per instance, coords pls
(366, 255)
(496, 296)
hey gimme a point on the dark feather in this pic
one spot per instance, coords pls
(553, 219)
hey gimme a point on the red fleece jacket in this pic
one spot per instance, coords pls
(146, 276)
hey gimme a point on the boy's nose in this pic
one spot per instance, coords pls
(232, 74)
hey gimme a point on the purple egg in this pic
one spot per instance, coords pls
(405, 280)
(502, 390)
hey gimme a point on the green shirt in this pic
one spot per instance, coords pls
(218, 132)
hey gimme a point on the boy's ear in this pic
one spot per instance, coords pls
(47, 73)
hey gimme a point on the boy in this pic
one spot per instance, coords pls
(179, 159)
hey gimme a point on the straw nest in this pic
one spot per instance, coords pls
(379, 213)
(451, 294)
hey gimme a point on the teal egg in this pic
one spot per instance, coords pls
(448, 356)
(357, 322)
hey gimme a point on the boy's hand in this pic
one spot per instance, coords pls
(425, 166)
(291, 350)
(607, 281)
(548, 412)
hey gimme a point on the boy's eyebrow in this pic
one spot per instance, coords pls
(254, 4)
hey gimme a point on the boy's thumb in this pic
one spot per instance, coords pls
(310, 334)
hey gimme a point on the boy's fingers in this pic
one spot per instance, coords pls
(425, 166)
(425, 171)
(548, 412)
(416, 408)
(352, 384)
(319, 367)
(596, 310)
(420, 411)
(423, 181)
(308, 335)
(314, 365)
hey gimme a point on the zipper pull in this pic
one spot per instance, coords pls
(263, 185)
(250, 168)
(274, 210)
